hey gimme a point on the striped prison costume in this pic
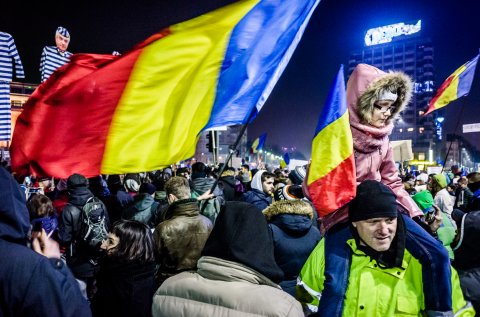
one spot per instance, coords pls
(8, 53)
(52, 59)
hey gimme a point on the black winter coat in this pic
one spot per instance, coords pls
(30, 284)
(78, 258)
(124, 289)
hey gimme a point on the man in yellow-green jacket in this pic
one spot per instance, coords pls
(385, 279)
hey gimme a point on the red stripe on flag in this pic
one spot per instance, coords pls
(65, 123)
(335, 189)
(440, 91)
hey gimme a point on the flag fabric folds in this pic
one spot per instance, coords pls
(145, 109)
(332, 176)
(258, 143)
(457, 85)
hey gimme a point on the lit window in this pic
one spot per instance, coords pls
(410, 129)
(421, 129)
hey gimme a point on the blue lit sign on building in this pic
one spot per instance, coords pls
(426, 86)
(438, 126)
(385, 34)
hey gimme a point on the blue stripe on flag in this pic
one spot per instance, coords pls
(465, 79)
(260, 47)
(336, 103)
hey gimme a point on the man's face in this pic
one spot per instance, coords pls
(377, 233)
(267, 185)
(61, 42)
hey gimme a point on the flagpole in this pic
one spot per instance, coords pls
(232, 149)
(454, 133)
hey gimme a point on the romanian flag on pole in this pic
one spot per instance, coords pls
(285, 160)
(145, 109)
(332, 176)
(258, 143)
(457, 85)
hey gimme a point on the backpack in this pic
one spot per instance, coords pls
(93, 224)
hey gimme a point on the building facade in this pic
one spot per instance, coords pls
(403, 47)
(19, 94)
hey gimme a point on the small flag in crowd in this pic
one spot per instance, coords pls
(258, 143)
(285, 161)
(331, 179)
(144, 110)
(457, 85)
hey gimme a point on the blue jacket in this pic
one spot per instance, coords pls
(30, 284)
(257, 198)
(294, 237)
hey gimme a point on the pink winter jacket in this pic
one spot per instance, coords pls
(372, 149)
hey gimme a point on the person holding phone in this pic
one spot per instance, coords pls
(32, 282)
(42, 215)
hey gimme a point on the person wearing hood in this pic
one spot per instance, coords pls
(232, 187)
(262, 189)
(79, 259)
(442, 197)
(446, 232)
(374, 99)
(144, 208)
(236, 276)
(467, 254)
(294, 236)
(385, 279)
(32, 283)
(202, 184)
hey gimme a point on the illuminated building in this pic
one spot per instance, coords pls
(19, 94)
(402, 46)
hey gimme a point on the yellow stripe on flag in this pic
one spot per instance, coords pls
(450, 93)
(332, 146)
(171, 92)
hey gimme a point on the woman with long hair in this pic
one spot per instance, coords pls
(126, 279)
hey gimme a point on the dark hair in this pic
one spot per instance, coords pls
(246, 166)
(135, 242)
(40, 206)
(199, 167)
(266, 175)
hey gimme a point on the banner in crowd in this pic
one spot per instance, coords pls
(144, 110)
(332, 175)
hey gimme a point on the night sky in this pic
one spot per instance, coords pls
(290, 114)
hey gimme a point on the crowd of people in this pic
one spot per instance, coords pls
(222, 241)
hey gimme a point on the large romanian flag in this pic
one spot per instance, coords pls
(145, 109)
(457, 85)
(332, 177)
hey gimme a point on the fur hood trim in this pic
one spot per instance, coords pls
(228, 173)
(397, 82)
(372, 82)
(295, 207)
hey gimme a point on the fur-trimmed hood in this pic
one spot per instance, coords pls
(293, 207)
(364, 87)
